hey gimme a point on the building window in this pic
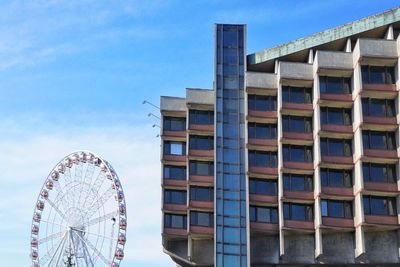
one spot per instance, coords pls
(297, 124)
(201, 117)
(202, 168)
(296, 182)
(175, 221)
(379, 140)
(298, 212)
(297, 153)
(261, 103)
(199, 193)
(378, 107)
(379, 205)
(334, 85)
(262, 131)
(337, 116)
(174, 197)
(336, 178)
(336, 147)
(263, 187)
(174, 124)
(381, 173)
(336, 208)
(263, 214)
(201, 142)
(174, 172)
(198, 218)
(174, 148)
(378, 75)
(263, 159)
(300, 95)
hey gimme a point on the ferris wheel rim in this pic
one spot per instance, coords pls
(117, 187)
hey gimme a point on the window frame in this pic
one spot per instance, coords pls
(168, 220)
(288, 207)
(167, 148)
(167, 123)
(194, 194)
(195, 171)
(195, 145)
(271, 130)
(387, 169)
(389, 104)
(290, 89)
(271, 185)
(329, 177)
(194, 117)
(305, 148)
(324, 118)
(287, 182)
(344, 211)
(194, 218)
(272, 158)
(254, 212)
(270, 102)
(369, 205)
(388, 136)
(169, 198)
(387, 70)
(289, 118)
(323, 83)
(344, 142)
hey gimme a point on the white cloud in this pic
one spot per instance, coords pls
(25, 162)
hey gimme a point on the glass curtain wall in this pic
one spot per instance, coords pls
(231, 227)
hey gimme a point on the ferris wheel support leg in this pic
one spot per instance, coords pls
(59, 245)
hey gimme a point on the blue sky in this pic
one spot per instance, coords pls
(73, 75)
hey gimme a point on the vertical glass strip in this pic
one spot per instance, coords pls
(231, 227)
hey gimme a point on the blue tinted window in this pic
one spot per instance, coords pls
(174, 124)
(174, 172)
(378, 75)
(379, 140)
(336, 178)
(335, 116)
(263, 187)
(201, 117)
(175, 221)
(298, 212)
(262, 131)
(335, 85)
(378, 107)
(297, 124)
(297, 153)
(336, 147)
(262, 159)
(263, 214)
(262, 103)
(385, 173)
(174, 148)
(203, 168)
(201, 142)
(336, 208)
(293, 182)
(205, 219)
(201, 193)
(296, 94)
(380, 205)
(174, 197)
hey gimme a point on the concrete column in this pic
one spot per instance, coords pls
(347, 48)
(318, 243)
(360, 242)
(190, 248)
(310, 57)
(389, 33)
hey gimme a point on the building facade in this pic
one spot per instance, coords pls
(292, 157)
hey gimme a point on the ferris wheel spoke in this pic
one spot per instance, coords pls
(51, 237)
(43, 260)
(100, 219)
(57, 224)
(56, 259)
(95, 187)
(90, 245)
(100, 202)
(57, 209)
(90, 233)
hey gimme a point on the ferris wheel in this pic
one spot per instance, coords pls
(79, 218)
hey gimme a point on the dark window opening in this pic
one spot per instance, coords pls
(336, 208)
(201, 142)
(384, 173)
(336, 147)
(297, 124)
(263, 159)
(262, 103)
(174, 124)
(379, 140)
(174, 197)
(262, 131)
(175, 221)
(205, 219)
(298, 212)
(297, 153)
(377, 75)
(202, 168)
(302, 95)
(263, 187)
(335, 116)
(336, 178)
(296, 182)
(379, 205)
(378, 107)
(199, 193)
(263, 214)
(335, 85)
(201, 117)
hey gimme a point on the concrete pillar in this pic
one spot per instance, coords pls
(310, 57)
(190, 248)
(318, 243)
(389, 33)
(347, 47)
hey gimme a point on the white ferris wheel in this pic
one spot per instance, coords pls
(79, 218)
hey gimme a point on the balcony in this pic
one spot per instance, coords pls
(297, 138)
(338, 223)
(337, 192)
(336, 130)
(175, 207)
(201, 154)
(174, 183)
(261, 83)
(299, 196)
(208, 205)
(201, 230)
(381, 220)
(345, 162)
(205, 128)
(200, 98)
(336, 100)
(201, 179)
(264, 227)
(263, 144)
(376, 51)
(295, 71)
(381, 188)
(334, 63)
(298, 167)
(174, 158)
(297, 109)
(263, 199)
(175, 231)
(379, 123)
(380, 156)
(379, 90)
(301, 226)
(266, 172)
(262, 116)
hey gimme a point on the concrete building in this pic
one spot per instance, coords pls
(292, 157)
